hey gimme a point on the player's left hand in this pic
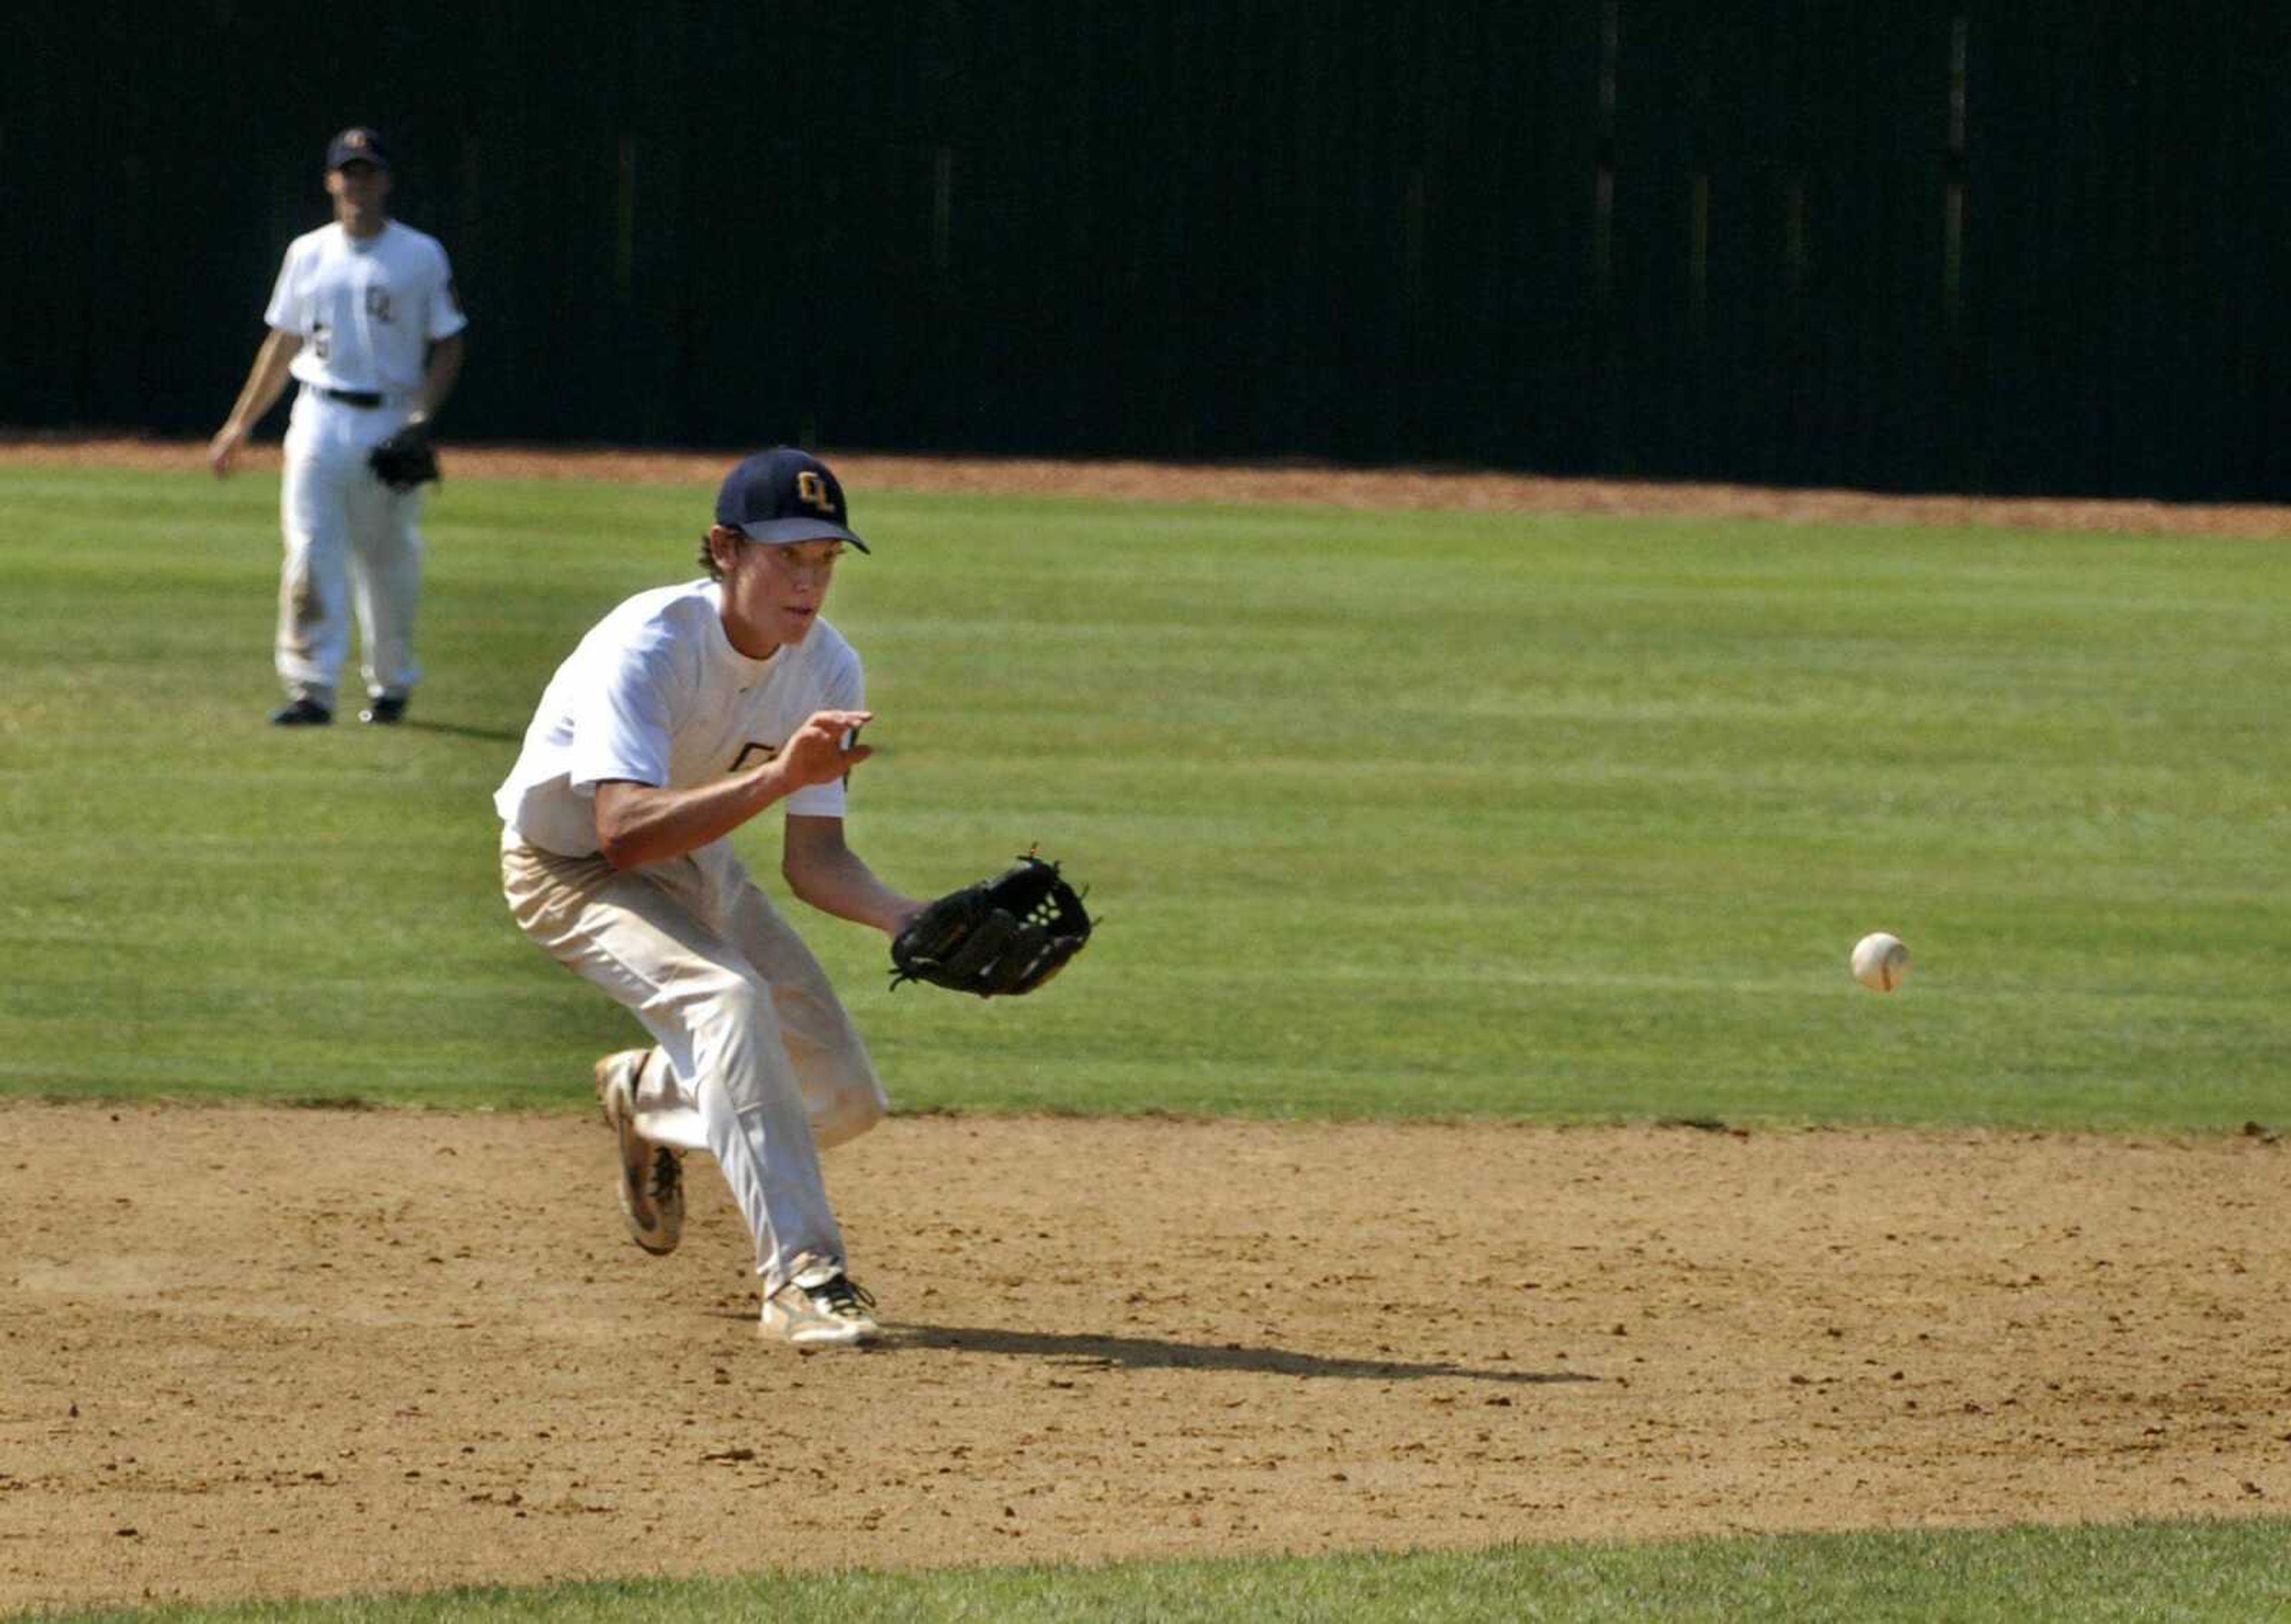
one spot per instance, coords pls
(406, 459)
(1001, 937)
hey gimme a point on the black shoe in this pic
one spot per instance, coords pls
(301, 713)
(387, 709)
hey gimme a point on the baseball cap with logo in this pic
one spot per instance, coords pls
(356, 145)
(785, 496)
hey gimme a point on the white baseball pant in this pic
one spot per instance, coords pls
(352, 545)
(763, 1066)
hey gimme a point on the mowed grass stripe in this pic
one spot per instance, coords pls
(2226, 1571)
(1389, 813)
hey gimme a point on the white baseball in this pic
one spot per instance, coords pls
(1880, 961)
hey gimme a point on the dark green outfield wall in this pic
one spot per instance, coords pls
(2039, 246)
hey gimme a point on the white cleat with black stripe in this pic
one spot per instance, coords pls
(651, 1175)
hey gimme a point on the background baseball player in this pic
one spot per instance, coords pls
(366, 319)
(682, 714)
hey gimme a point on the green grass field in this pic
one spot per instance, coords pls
(1387, 814)
(2224, 1571)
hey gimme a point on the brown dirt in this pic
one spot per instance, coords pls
(254, 1352)
(1328, 486)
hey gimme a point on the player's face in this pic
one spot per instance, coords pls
(772, 593)
(358, 186)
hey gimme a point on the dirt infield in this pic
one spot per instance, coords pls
(253, 1352)
(1328, 486)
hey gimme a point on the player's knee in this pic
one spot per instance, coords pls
(852, 1113)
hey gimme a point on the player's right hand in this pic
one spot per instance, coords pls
(223, 449)
(824, 748)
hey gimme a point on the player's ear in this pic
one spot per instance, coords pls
(723, 546)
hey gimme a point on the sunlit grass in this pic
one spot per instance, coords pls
(1421, 814)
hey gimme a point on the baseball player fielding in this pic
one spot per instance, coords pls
(684, 713)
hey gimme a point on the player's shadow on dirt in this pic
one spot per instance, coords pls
(1084, 1352)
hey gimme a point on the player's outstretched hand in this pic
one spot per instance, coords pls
(826, 747)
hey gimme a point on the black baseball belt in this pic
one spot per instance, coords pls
(350, 397)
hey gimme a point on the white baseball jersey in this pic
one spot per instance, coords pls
(656, 694)
(367, 308)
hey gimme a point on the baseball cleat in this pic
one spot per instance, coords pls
(651, 1175)
(301, 713)
(832, 1314)
(387, 709)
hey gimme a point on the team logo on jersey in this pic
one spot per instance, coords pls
(752, 755)
(812, 491)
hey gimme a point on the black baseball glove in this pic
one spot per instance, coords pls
(405, 459)
(1006, 935)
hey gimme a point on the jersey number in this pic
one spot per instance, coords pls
(752, 752)
(322, 339)
(377, 303)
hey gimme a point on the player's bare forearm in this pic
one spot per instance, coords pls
(825, 873)
(265, 381)
(438, 380)
(639, 823)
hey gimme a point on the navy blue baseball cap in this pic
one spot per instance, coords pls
(784, 496)
(356, 145)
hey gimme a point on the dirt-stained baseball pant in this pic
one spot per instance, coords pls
(352, 545)
(763, 1067)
